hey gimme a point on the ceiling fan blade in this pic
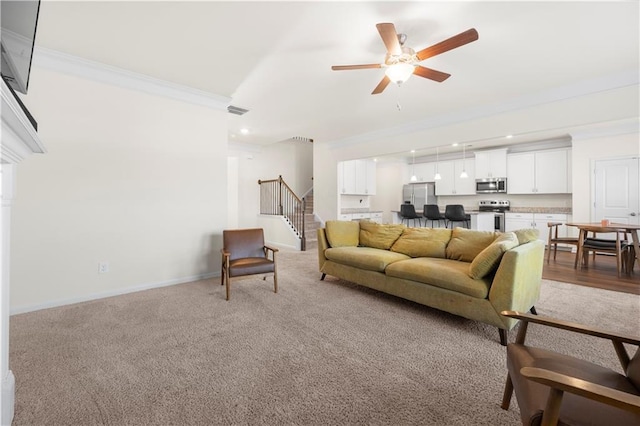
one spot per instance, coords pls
(381, 86)
(390, 38)
(431, 74)
(448, 44)
(354, 67)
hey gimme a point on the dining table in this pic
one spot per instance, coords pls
(605, 227)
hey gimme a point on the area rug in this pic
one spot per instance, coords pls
(315, 353)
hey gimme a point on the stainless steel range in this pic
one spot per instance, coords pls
(498, 207)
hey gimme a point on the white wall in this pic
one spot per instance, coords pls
(132, 179)
(293, 160)
(585, 152)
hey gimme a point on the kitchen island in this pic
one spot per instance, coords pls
(480, 221)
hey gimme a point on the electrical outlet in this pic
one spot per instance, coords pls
(103, 267)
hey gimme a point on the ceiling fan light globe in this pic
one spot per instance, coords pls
(399, 73)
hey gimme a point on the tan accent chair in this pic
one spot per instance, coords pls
(245, 253)
(554, 240)
(553, 388)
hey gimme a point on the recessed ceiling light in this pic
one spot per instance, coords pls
(509, 136)
(413, 150)
(454, 144)
(244, 131)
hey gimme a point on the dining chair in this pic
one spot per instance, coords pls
(432, 213)
(245, 253)
(618, 246)
(554, 240)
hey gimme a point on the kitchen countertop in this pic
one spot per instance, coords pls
(350, 211)
(548, 210)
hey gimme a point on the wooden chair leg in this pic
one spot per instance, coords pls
(322, 277)
(275, 281)
(552, 410)
(228, 289)
(508, 392)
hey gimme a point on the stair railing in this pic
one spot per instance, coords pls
(277, 198)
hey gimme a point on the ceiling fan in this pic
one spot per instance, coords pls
(400, 61)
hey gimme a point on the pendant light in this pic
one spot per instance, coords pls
(464, 174)
(437, 175)
(414, 178)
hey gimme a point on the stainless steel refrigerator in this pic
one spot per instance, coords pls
(419, 194)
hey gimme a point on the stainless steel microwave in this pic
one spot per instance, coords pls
(491, 185)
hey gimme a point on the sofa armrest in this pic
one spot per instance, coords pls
(323, 244)
(516, 284)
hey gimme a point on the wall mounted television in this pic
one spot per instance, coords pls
(19, 20)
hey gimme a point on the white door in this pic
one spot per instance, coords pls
(617, 190)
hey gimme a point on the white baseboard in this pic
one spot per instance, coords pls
(94, 296)
(8, 399)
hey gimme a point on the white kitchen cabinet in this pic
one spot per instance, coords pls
(552, 172)
(540, 172)
(424, 172)
(371, 168)
(515, 221)
(357, 177)
(542, 219)
(451, 182)
(376, 217)
(491, 164)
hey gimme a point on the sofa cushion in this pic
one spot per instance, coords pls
(368, 258)
(466, 244)
(526, 235)
(423, 242)
(444, 273)
(343, 233)
(488, 259)
(379, 236)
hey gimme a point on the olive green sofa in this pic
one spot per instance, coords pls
(473, 274)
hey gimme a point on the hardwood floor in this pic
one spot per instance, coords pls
(601, 274)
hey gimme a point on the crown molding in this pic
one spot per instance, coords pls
(102, 73)
(19, 138)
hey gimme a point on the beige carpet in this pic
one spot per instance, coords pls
(315, 353)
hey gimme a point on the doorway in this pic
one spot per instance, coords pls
(617, 190)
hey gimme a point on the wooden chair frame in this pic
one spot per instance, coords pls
(561, 383)
(554, 240)
(225, 276)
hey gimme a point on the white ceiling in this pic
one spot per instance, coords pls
(274, 58)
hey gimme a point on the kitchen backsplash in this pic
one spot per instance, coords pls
(354, 202)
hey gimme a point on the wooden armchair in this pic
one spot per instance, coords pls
(553, 388)
(245, 253)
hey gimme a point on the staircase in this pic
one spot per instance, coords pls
(310, 223)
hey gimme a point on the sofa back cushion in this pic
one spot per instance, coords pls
(527, 235)
(342, 233)
(379, 236)
(466, 244)
(423, 242)
(488, 259)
